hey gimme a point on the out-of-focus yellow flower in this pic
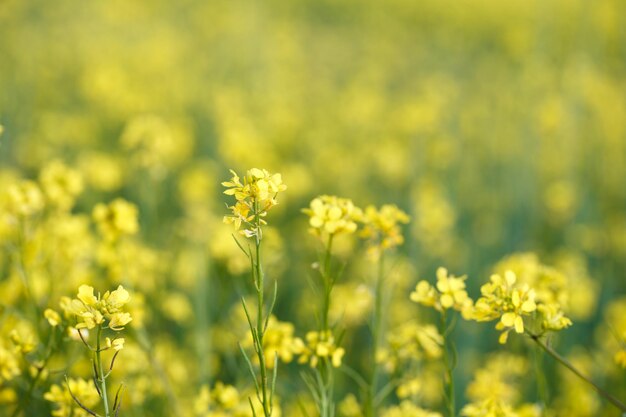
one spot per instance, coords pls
(9, 364)
(52, 316)
(349, 407)
(381, 228)
(116, 219)
(331, 215)
(116, 344)
(553, 317)
(449, 292)
(25, 198)
(255, 196)
(60, 184)
(101, 171)
(64, 404)
(408, 409)
(222, 400)
(495, 391)
(319, 345)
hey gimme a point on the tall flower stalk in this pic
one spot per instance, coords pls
(254, 197)
(381, 229)
(329, 216)
(448, 294)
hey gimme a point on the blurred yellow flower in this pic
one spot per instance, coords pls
(449, 292)
(331, 215)
(116, 219)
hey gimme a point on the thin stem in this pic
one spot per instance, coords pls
(447, 343)
(617, 403)
(328, 283)
(371, 405)
(101, 377)
(259, 284)
(542, 385)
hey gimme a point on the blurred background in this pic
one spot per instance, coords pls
(499, 126)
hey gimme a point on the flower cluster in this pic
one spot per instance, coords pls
(255, 196)
(449, 293)
(381, 227)
(495, 389)
(65, 405)
(91, 311)
(507, 300)
(330, 215)
(319, 345)
(408, 342)
(61, 184)
(119, 218)
(408, 409)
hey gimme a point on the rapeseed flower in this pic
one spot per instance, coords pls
(117, 219)
(91, 311)
(331, 215)
(381, 228)
(448, 293)
(319, 346)
(505, 299)
(64, 404)
(255, 196)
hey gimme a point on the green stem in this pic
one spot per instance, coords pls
(560, 359)
(328, 283)
(445, 332)
(371, 405)
(542, 385)
(101, 377)
(259, 284)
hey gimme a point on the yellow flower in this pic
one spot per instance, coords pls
(61, 184)
(25, 199)
(118, 218)
(64, 404)
(116, 344)
(505, 299)
(92, 311)
(255, 196)
(319, 345)
(449, 292)
(331, 215)
(381, 228)
(52, 316)
(119, 320)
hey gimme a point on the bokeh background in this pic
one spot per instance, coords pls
(499, 126)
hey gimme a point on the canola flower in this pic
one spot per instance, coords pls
(504, 299)
(66, 398)
(319, 346)
(330, 215)
(116, 219)
(381, 228)
(255, 196)
(448, 293)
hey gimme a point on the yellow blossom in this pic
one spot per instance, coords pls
(319, 345)
(449, 292)
(255, 196)
(331, 215)
(64, 404)
(116, 219)
(381, 228)
(52, 316)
